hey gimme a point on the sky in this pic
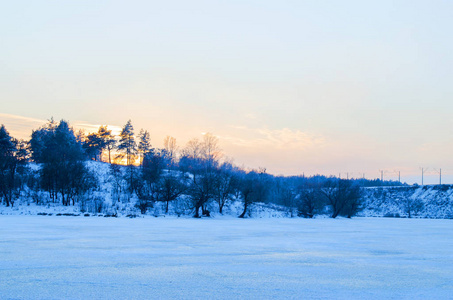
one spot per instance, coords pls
(297, 87)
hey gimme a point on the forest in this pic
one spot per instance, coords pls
(53, 167)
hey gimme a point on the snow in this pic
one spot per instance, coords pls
(437, 201)
(50, 257)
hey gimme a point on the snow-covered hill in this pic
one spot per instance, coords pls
(433, 201)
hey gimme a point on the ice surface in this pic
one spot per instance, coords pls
(44, 257)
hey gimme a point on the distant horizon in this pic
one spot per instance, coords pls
(19, 127)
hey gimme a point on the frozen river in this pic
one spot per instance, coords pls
(44, 257)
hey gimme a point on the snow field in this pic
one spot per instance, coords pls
(44, 257)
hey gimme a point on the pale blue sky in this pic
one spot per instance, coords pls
(296, 86)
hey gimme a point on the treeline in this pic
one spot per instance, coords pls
(144, 175)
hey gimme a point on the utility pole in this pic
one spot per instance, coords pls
(399, 175)
(422, 176)
(440, 176)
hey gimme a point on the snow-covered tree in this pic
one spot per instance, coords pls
(63, 170)
(39, 138)
(8, 165)
(144, 144)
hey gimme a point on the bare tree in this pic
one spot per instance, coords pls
(343, 196)
(201, 191)
(246, 188)
(151, 172)
(354, 200)
(201, 159)
(310, 200)
(193, 149)
(170, 187)
(226, 182)
(253, 187)
(288, 199)
(284, 193)
(411, 204)
(210, 149)
(117, 179)
(170, 148)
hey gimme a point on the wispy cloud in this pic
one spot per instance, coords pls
(116, 130)
(251, 116)
(20, 126)
(284, 138)
(17, 118)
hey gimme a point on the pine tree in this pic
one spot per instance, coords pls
(64, 163)
(144, 144)
(39, 139)
(127, 143)
(107, 140)
(128, 146)
(93, 146)
(60, 152)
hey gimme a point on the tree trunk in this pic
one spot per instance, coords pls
(197, 208)
(131, 177)
(245, 210)
(205, 211)
(336, 210)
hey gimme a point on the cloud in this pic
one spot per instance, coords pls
(19, 126)
(116, 130)
(16, 118)
(251, 116)
(284, 138)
